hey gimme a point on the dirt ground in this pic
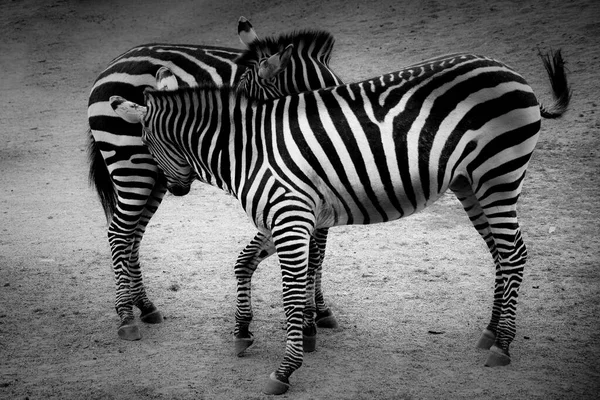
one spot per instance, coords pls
(390, 285)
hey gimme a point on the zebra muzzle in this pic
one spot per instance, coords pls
(178, 190)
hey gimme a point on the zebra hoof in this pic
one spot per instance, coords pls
(326, 319)
(241, 344)
(497, 357)
(309, 343)
(152, 317)
(486, 340)
(129, 331)
(275, 386)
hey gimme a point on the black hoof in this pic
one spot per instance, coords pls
(309, 343)
(497, 357)
(242, 343)
(152, 316)
(309, 338)
(326, 319)
(275, 386)
(486, 340)
(129, 331)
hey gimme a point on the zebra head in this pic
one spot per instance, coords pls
(291, 63)
(261, 82)
(171, 161)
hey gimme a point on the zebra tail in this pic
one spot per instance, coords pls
(555, 67)
(100, 178)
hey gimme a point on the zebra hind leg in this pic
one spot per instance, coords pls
(473, 209)
(120, 245)
(124, 245)
(493, 213)
(149, 312)
(498, 200)
(512, 263)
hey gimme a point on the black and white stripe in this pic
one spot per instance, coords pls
(363, 153)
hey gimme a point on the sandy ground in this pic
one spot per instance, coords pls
(389, 285)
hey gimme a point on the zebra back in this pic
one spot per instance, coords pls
(386, 147)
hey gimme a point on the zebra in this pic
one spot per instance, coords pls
(363, 153)
(126, 177)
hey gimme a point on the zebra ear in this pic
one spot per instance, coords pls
(165, 79)
(246, 32)
(129, 111)
(276, 63)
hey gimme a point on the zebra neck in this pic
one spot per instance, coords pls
(209, 138)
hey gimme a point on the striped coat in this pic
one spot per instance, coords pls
(363, 153)
(128, 181)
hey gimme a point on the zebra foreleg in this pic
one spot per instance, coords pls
(309, 328)
(292, 243)
(324, 318)
(259, 248)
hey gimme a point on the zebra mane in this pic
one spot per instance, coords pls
(322, 42)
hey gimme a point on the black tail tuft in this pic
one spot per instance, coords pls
(100, 178)
(555, 67)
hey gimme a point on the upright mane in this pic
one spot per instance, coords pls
(318, 42)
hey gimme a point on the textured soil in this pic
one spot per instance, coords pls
(411, 297)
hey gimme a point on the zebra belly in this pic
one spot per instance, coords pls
(367, 208)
